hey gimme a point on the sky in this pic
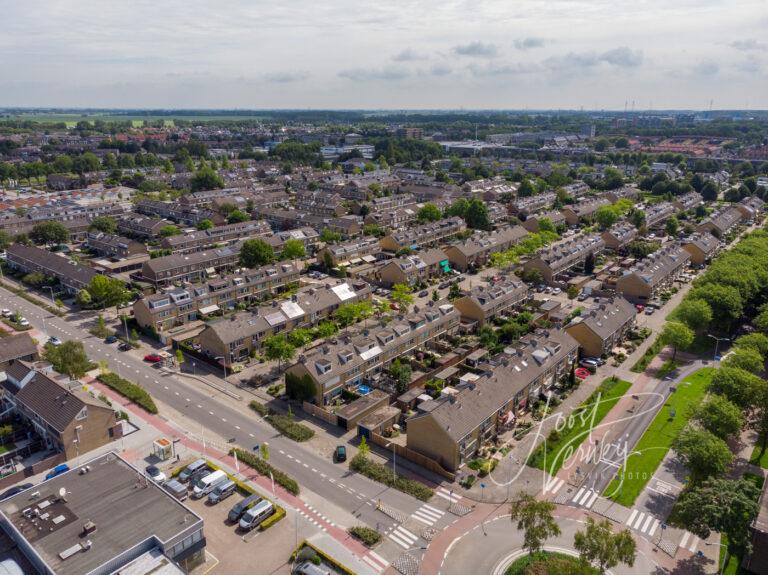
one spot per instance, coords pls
(396, 54)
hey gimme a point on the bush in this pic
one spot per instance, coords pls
(283, 479)
(368, 536)
(648, 356)
(377, 472)
(132, 391)
(272, 519)
(259, 408)
(291, 429)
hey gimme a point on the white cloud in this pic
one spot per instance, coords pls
(529, 43)
(372, 74)
(476, 50)
(409, 55)
(749, 45)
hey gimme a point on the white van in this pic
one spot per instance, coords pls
(208, 483)
(256, 514)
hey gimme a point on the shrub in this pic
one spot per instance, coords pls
(283, 479)
(377, 472)
(368, 536)
(132, 391)
(291, 429)
(259, 408)
(272, 519)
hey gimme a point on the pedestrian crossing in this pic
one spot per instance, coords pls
(376, 562)
(585, 497)
(689, 542)
(449, 495)
(643, 522)
(403, 537)
(553, 485)
(428, 515)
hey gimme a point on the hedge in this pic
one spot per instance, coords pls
(367, 535)
(259, 408)
(132, 391)
(283, 479)
(291, 429)
(378, 472)
(272, 519)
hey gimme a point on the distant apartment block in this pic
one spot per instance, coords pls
(565, 255)
(192, 267)
(206, 239)
(619, 236)
(112, 246)
(71, 276)
(484, 302)
(424, 235)
(476, 251)
(721, 222)
(653, 274)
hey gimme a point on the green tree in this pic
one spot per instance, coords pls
(293, 249)
(83, 298)
(325, 329)
(756, 341)
(672, 226)
(206, 179)
(204, 224)
(169, 230)
(535, 519)
(104, 224)
(724, 300)
(695, 313)
(299, 337)
(525, 189)
(401, 373)
(428, 213)
(677, 335)
(477, 216)
(255, 253)
(709, 191)
(572, 292)
(277, 347)
(363, 448)
(264, 451)
(5, 240)
(606, 216)
(237, 216)
(401, 295)
(68, 358)
(741, 387)
(720, 416)
(637, 217)
(546, 225)
(599, 545)
(299, 388)
(106, 291)
(702, 452)
(328, 236)
(746, 358)
(723, 505)
(50, 232)
(179, 356)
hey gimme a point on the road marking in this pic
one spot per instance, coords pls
(591, 500)
(653, 527)
(323, 475)
(578, 495)
(403, 537)
(305, 465)
(371, 563)
(176, 393)
(632, 517)
(282, 452)
(210, 413)
(647, 523)
(224, 420)
(554, 485)
(445, 494)
(639, 520)
(686, 536)
(200, 406)
(187, 400)
(289, 456)
(694, 545)
(237, 427)
(314, 470)
(251, 435)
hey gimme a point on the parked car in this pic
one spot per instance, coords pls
(125, 346)
(6, 312)
(58, 470)
(340, 454)
(597, 360)
(53, 340)
(24, 322)
(639, 307)
(15, 490)
(154, 473)
(588, 362)
(242, 506)
(649, 310)
(557, 291)
(256, 514)
(110, 339)
(191, 469)
(423, 293)
(153, 358)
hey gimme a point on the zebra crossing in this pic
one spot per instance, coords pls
(403, 537)
(643, 522)
(554, 485)
(585, 497)
(376, 562)
(449, 495)
(689, 542)
(428, 515)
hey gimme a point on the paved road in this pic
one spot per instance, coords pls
(205, 412)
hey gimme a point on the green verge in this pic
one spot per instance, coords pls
(383, 474)
(652, 351)
(281, 478)
(283, 423)
(552, 453)
(135, 393)
(549, 562)
(657, 439)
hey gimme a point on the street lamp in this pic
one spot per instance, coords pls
(717, 342)
(223, 363)
(53, 301)
(394, 460)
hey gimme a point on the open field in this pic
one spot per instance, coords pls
(136, 119)
(657, 439)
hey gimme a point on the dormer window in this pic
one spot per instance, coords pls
(323, 366)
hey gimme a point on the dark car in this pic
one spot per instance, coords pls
(124, 346)
(14, 490)
(110, 339)
(340, 454)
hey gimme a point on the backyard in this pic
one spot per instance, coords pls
(657, 439)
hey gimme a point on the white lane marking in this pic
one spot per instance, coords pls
(694, 545)
(578, 495)
(591, 500)
(686, 535)
(647, 523)
(632, 517)
(653, 527)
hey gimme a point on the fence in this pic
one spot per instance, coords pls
(34, 469)
(320, 413)
(411, 455)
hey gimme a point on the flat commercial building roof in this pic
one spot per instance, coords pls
(81, 520)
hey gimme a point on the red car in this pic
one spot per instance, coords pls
(581, 372)
(153, 358)
(639, 307)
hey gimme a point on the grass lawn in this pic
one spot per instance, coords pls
(759, 457)
(652, 351)
(657, 439)
(549, 562)
(7, 447)
(552, 453)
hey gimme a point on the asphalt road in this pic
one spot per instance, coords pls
(205, 412)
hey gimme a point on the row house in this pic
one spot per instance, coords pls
(564, 255)
(306, 235)
(483, 303)
(577, 190)
(74, 210)
(625, 193)
(205, 197)
(415, 268)
(71, 276)
(282, 219)
(721, 222)
(688, 201)
(657, 214)
(112, 246)
(431, 193)
(235, 338)
(522, 207)
(702, 247)
(423, 235)
(226, 234)
(192, 267)
(751, 208)
(178, 306)
(179, 213)
(396, 219)
(476, 251)
(360, 357)
(654, 274)
(532, 222)
(351, 252)
(497, 213)
(493, 189)
(141, 226)
(585, 210)
(390, 202)
(320, 203)
(603, 327)
(451, 429)
(619, 236)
